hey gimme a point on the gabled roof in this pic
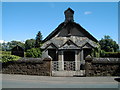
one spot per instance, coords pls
(75, 41)
(87, 45)
(63, 25)
(17, 47)
(52, 45)
(69, 45)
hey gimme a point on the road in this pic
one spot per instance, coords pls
(27, 81)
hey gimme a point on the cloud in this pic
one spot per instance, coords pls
(87, 12)
(2, 41)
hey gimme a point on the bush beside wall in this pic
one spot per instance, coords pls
(111, 54)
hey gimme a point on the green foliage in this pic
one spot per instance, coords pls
(9, 45)
(38, 40)
(102, 53)
(34, 52)
(96, 51)
(30, 43)
(5, 52)
(108, 45)
(6, 58)
(111, 54)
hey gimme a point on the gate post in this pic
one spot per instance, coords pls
(61, 61)
(49, 63)
(88, 65)
(77, 60)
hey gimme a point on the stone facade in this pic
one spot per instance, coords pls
(31, 66)
(69, 42)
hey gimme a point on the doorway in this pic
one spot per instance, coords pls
(69, 55)
(53, 54)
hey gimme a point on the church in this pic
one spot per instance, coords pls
(68, 45)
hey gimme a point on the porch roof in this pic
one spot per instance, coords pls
(77, 42)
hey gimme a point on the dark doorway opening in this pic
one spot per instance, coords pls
(86, 52)
(52, 53)
(69, 56)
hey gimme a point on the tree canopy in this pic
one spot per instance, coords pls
(9, 45)
(29, 43)
(108, 44)
(38, 40)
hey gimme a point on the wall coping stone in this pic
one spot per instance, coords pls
(106, 60)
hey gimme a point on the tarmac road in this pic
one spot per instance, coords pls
(26, 81)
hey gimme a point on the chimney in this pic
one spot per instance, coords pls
(69, 15)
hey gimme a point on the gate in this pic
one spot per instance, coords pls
(68, 65)
(68, 70)
(55, 65)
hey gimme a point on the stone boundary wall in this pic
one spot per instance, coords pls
(103, 67)
(28, 66)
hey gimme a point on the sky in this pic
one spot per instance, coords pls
(23, 20)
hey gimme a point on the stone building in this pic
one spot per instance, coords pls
(68, 45)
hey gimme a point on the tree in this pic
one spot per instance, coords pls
(3, 46)
(9, 45)
(34, 52)
(29, 44)
(108, 45)
(38, 40)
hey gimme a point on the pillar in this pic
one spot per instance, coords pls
(61, 60)
(88, 65)
(81, 55)
(77, 60)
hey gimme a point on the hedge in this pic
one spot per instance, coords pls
(111, 54)
(6, 58)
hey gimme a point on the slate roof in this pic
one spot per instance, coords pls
(73, 24)
(60, 41)
(77, 41)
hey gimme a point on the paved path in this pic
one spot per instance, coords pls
(26, 81)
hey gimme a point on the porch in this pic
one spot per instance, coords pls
(67, 62)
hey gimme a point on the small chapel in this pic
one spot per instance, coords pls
(68, 45)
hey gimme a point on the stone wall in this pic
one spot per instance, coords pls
(28, 66)
(103, 67)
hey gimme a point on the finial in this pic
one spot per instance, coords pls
(69, 15)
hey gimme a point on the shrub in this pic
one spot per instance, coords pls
(112, 54)
(5, 52)
(102, 53)
(34, 52)
(6, 58)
